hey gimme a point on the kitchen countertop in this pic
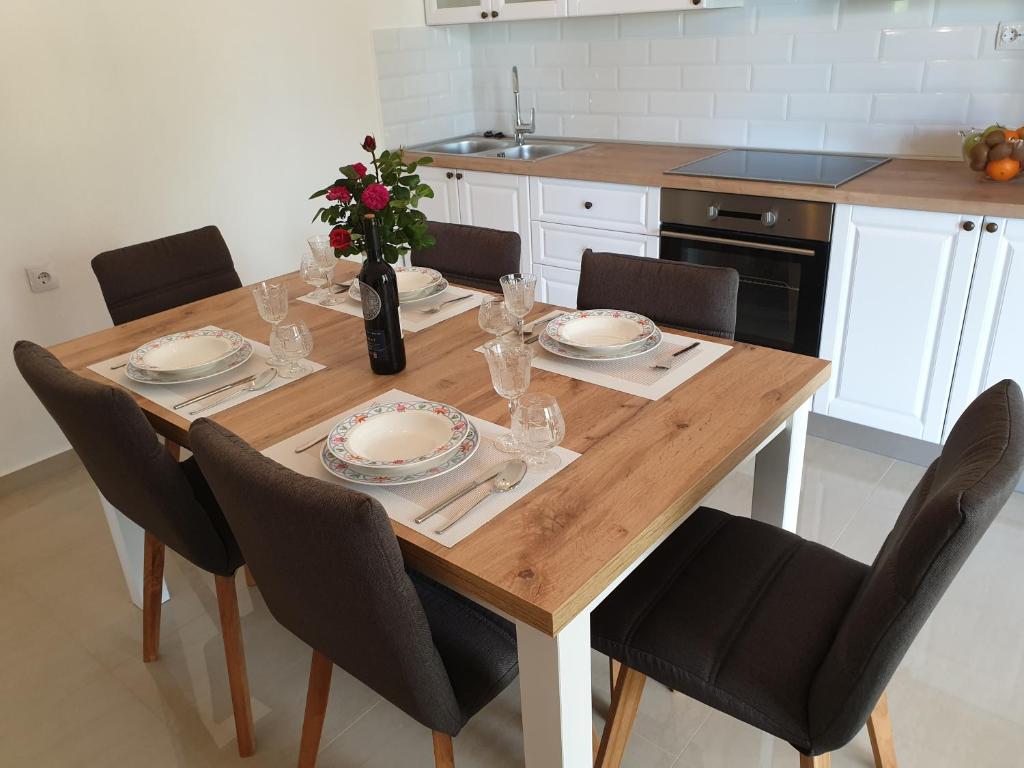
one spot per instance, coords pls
(923, 185)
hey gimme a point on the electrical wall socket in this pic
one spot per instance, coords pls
(1010, 36)
(41, 279)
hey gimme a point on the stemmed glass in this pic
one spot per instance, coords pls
(312, 274)
(520, 291)
(292, 342)
(538, 426)
(509, 361)
(272, 304)
(494, 316)
(324, 256)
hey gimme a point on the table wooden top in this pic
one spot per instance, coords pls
(644, 465)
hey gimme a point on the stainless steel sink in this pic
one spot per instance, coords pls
(470, 146)
(474, 146)
(535, 151)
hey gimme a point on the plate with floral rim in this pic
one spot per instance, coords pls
(187, 352)
(572, 353)
(240, 358)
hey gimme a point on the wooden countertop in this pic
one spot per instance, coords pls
(922, 185)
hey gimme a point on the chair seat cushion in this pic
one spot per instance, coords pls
(478, 647)
(734, 613)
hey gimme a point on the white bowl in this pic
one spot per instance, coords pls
(187, 352)
(601, 330)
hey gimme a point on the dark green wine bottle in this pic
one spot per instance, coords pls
(378, 291)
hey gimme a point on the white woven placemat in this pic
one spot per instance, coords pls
(413, 319)
(634, 376)
(407, 502)
(168, 395)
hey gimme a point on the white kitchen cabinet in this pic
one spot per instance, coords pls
(992, 344)
(513, 10)
(616, 207)
(478, 11)
(444, 206)
(563, 246)
(556, 285)
(895, 304)
(605, 7)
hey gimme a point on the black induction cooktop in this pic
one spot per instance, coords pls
(813, 168)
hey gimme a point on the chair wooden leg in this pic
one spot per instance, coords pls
(320, 672)
(821, 761)
(444, 752)
(249, 580)
(880, 730)
(626, 695)
(234, 652)
(613, 671)
(152, 596)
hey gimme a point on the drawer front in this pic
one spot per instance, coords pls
(589, 204)
(557, 286)
(563, 246)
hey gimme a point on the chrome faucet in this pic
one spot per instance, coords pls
(522, 128)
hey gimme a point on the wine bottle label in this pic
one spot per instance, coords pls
(370, 300)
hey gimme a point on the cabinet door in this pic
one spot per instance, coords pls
(563, 246)
(444, 206)
(510, 10)
(992, 348)
(497, 201)
(557, 286)
(457, 11)
(894, 310)
(600, 7)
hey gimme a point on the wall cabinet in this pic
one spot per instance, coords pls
(992, 344)
(895, 305)
(604, 7)
(481, 11)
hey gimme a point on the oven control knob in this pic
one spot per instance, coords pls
(712, 211)
(770, 218)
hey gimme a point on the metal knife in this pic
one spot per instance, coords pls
(485, 477)
(212, 392)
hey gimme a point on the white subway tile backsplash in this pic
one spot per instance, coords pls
(875, 76)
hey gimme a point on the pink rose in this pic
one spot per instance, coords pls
(376, 197)
(360, 170)
(339, 193)
(341, 238)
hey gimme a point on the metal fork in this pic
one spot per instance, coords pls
(666, 363)
(437, 308)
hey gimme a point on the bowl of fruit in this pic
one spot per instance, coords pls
(997, 151)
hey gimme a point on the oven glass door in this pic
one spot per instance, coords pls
(782, 282)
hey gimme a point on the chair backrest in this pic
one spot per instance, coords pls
(473, 256)
(147, 278)
(952, 506)
(689, 297)
(122, 454)
(330, 570)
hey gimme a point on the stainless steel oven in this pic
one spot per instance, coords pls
(779, 247)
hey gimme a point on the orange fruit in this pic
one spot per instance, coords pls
(1003, 170)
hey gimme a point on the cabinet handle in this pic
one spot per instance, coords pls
(494, 14)
(992, 227)
(458, 176)
(588, 205)
(483, 14)
(450, 175)
(968, 226)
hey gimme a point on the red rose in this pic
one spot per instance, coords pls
(376, 197)
(341, 238)
(360, 170)
(339, 193)
(370, 144)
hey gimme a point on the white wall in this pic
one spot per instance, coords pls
(126, 120)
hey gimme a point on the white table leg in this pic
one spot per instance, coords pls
(554, 683)
(778, 472)
(129, 542)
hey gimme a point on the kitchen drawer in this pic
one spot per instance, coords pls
(590, 204)
(563, 246)
(557, 286)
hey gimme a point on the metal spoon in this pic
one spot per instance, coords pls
(260, 382)
(509, 477)
(434, 310)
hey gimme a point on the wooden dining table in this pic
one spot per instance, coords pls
(547, 561)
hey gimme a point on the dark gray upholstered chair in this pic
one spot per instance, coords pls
(330, 569)
(170, 501)
(689, 297)
(147, 278)
(472, 256)
(790, 636)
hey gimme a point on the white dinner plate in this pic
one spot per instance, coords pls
(187, 353)
(601, 331)
(240, 358)
(651, 342)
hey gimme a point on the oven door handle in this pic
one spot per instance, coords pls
(744, 243)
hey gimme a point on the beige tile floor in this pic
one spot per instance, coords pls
(74, 692)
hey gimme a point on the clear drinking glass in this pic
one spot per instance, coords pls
(538, 426)
(520, 291)
(313, 275)
(292, 342)
(509, 361)
(323, 254)
(272, 304)
(494, 316)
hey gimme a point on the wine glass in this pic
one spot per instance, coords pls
(538, 426)
(520, 291)
(312, 274)
(494, 316)
(292, 342)
(323, 254)
(509, 361)
(272, 304)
